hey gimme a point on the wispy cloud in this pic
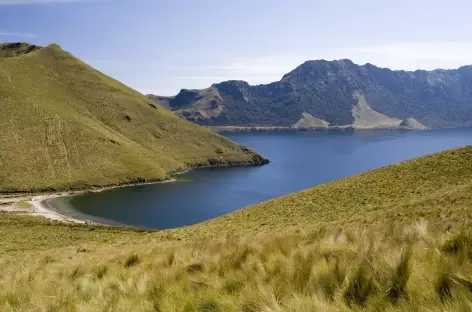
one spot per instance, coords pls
(17, 34)
(167, 77)
(254, 70)
(417, 55)
(13, 2)
(407, 56)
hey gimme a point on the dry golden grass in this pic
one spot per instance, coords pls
(393, 239)
(407, 268)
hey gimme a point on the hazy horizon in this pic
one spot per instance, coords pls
(161, 47)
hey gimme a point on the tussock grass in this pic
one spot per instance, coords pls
(132, 260)
(393, 239)
(460, 244)
(370, 272)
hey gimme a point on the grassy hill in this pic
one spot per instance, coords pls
(392, 239)
(65, 125)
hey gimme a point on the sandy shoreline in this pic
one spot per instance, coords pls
(35, 205)
(41, 209)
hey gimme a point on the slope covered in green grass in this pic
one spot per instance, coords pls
(436, 187)
(65, 125)
(392, 239)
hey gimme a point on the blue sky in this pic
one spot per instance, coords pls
(160, 47)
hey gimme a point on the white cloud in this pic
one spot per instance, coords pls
(253, 70)
(416, 55)
(168, 77)
(17, 34)
(406, 56)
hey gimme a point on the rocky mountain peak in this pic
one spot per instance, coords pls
(324, 90)
(183, 99)
(236, 88)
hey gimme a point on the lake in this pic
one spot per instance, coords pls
(298, 160)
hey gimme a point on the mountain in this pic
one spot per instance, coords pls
(318, 94)
(396, 238)
(65, 125)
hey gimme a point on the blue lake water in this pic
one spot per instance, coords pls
(298, 160)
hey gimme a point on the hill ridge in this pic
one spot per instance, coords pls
(68, 126)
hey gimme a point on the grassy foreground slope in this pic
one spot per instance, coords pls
(393, 239)
(65, 125)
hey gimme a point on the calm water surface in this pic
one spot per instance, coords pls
(298, 160)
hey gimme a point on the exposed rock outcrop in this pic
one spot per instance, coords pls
(367, 118)
(412, 124)
(307, 121)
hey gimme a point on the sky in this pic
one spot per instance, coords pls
(160, 47)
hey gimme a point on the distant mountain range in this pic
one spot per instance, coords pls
(336, 94)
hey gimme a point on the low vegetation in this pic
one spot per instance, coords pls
(409, 268)
(393, 239)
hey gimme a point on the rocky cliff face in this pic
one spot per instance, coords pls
(336, 93)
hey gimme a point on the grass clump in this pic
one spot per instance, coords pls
(132, 260)
(400, 277)
(460, 244)
(360, 286)
(100, 271)
(331, 278)
(444, 286)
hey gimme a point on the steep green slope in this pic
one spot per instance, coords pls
(330, 91)
(66, 125)
(392, 239)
